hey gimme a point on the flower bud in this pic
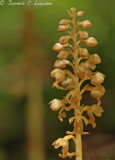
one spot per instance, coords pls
(63, 54)
(55, 104)
(80, 13)
(83, 35)
(97, 78)
(58, 74)
(64, 39)
(73, 10)
(91, 41)
(63, 28)
(83, 52)
(61, 63)
(94, 59)
(85, 24)
(68, 12)
(58, 47)
(64, 22)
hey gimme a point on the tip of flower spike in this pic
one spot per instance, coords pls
(73, 10)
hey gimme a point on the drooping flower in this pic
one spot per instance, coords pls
(56, 104)
(61, 142)
(83, 52)
(80, 13)
(64, 22)
(61, 63)
(83, 35)
(64, 39)
(58, 47)
(68, 82)
(62, 28)
(97, 78)
(94, 59)
(91, 42)
(59, 75)
(85, 24)
(63, 54)
(98, 91)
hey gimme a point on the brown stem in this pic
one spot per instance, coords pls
(78, 136)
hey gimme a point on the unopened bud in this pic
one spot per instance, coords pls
(91, 41)
(94, 59)
(80, 13)
(61, 63)
(62, 28)
(63, 55)
(64, 22)
(64, 39)
(85, 24)
(83, 52)
(73, 10)
(58, 47)
(97, 78)
(83, 35)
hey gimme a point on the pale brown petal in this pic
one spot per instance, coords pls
(61, 63)
(97, 78)
(83, 35)
(83, 52)
(58, 47)
(91, 42)
(80, 13)
(58, 74)
(63, 54)
(62, 28)
(56, 104)
(64, 39)
(85, 24)
(64, 22)
(94, 59)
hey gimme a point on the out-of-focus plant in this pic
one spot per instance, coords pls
(83, 67)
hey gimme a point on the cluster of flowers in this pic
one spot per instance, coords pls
(83, 65)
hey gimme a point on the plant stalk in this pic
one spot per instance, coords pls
(78, 147)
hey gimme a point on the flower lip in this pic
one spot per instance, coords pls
(60, 142)
(58, 74)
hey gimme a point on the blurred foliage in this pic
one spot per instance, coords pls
(12, 108)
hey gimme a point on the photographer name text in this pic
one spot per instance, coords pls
(23, 3)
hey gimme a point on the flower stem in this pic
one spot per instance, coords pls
(78, 147)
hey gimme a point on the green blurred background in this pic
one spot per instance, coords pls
(27, 125)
